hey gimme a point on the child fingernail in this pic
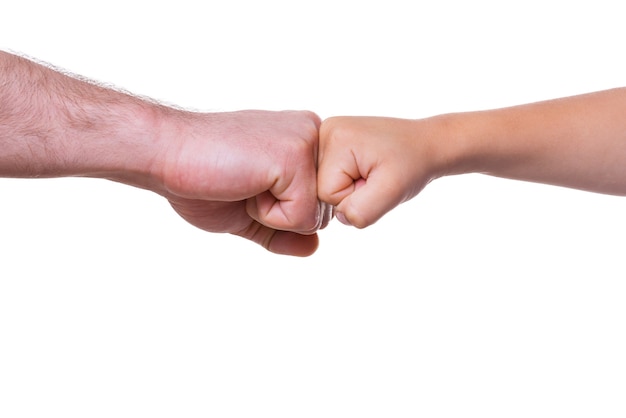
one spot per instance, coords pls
(342, 218)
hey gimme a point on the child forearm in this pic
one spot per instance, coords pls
(577, 142)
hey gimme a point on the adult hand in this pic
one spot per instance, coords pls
(248, 173)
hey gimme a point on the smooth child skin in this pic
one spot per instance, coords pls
(369, 165)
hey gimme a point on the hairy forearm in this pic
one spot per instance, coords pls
(53, 124)
(577, 142)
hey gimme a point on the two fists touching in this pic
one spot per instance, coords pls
(271, 177)
(276, 178)
(282, 172)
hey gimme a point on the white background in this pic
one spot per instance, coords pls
(480, 297)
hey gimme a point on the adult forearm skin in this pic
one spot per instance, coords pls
(53, 124)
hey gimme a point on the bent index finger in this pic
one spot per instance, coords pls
(339, 166)
(291, 203)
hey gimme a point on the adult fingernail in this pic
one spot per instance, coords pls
(327, 213)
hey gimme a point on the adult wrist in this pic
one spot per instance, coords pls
(129, 146)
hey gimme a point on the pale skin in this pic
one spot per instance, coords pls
(253, 173)
(250, 173)
(369, 165)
